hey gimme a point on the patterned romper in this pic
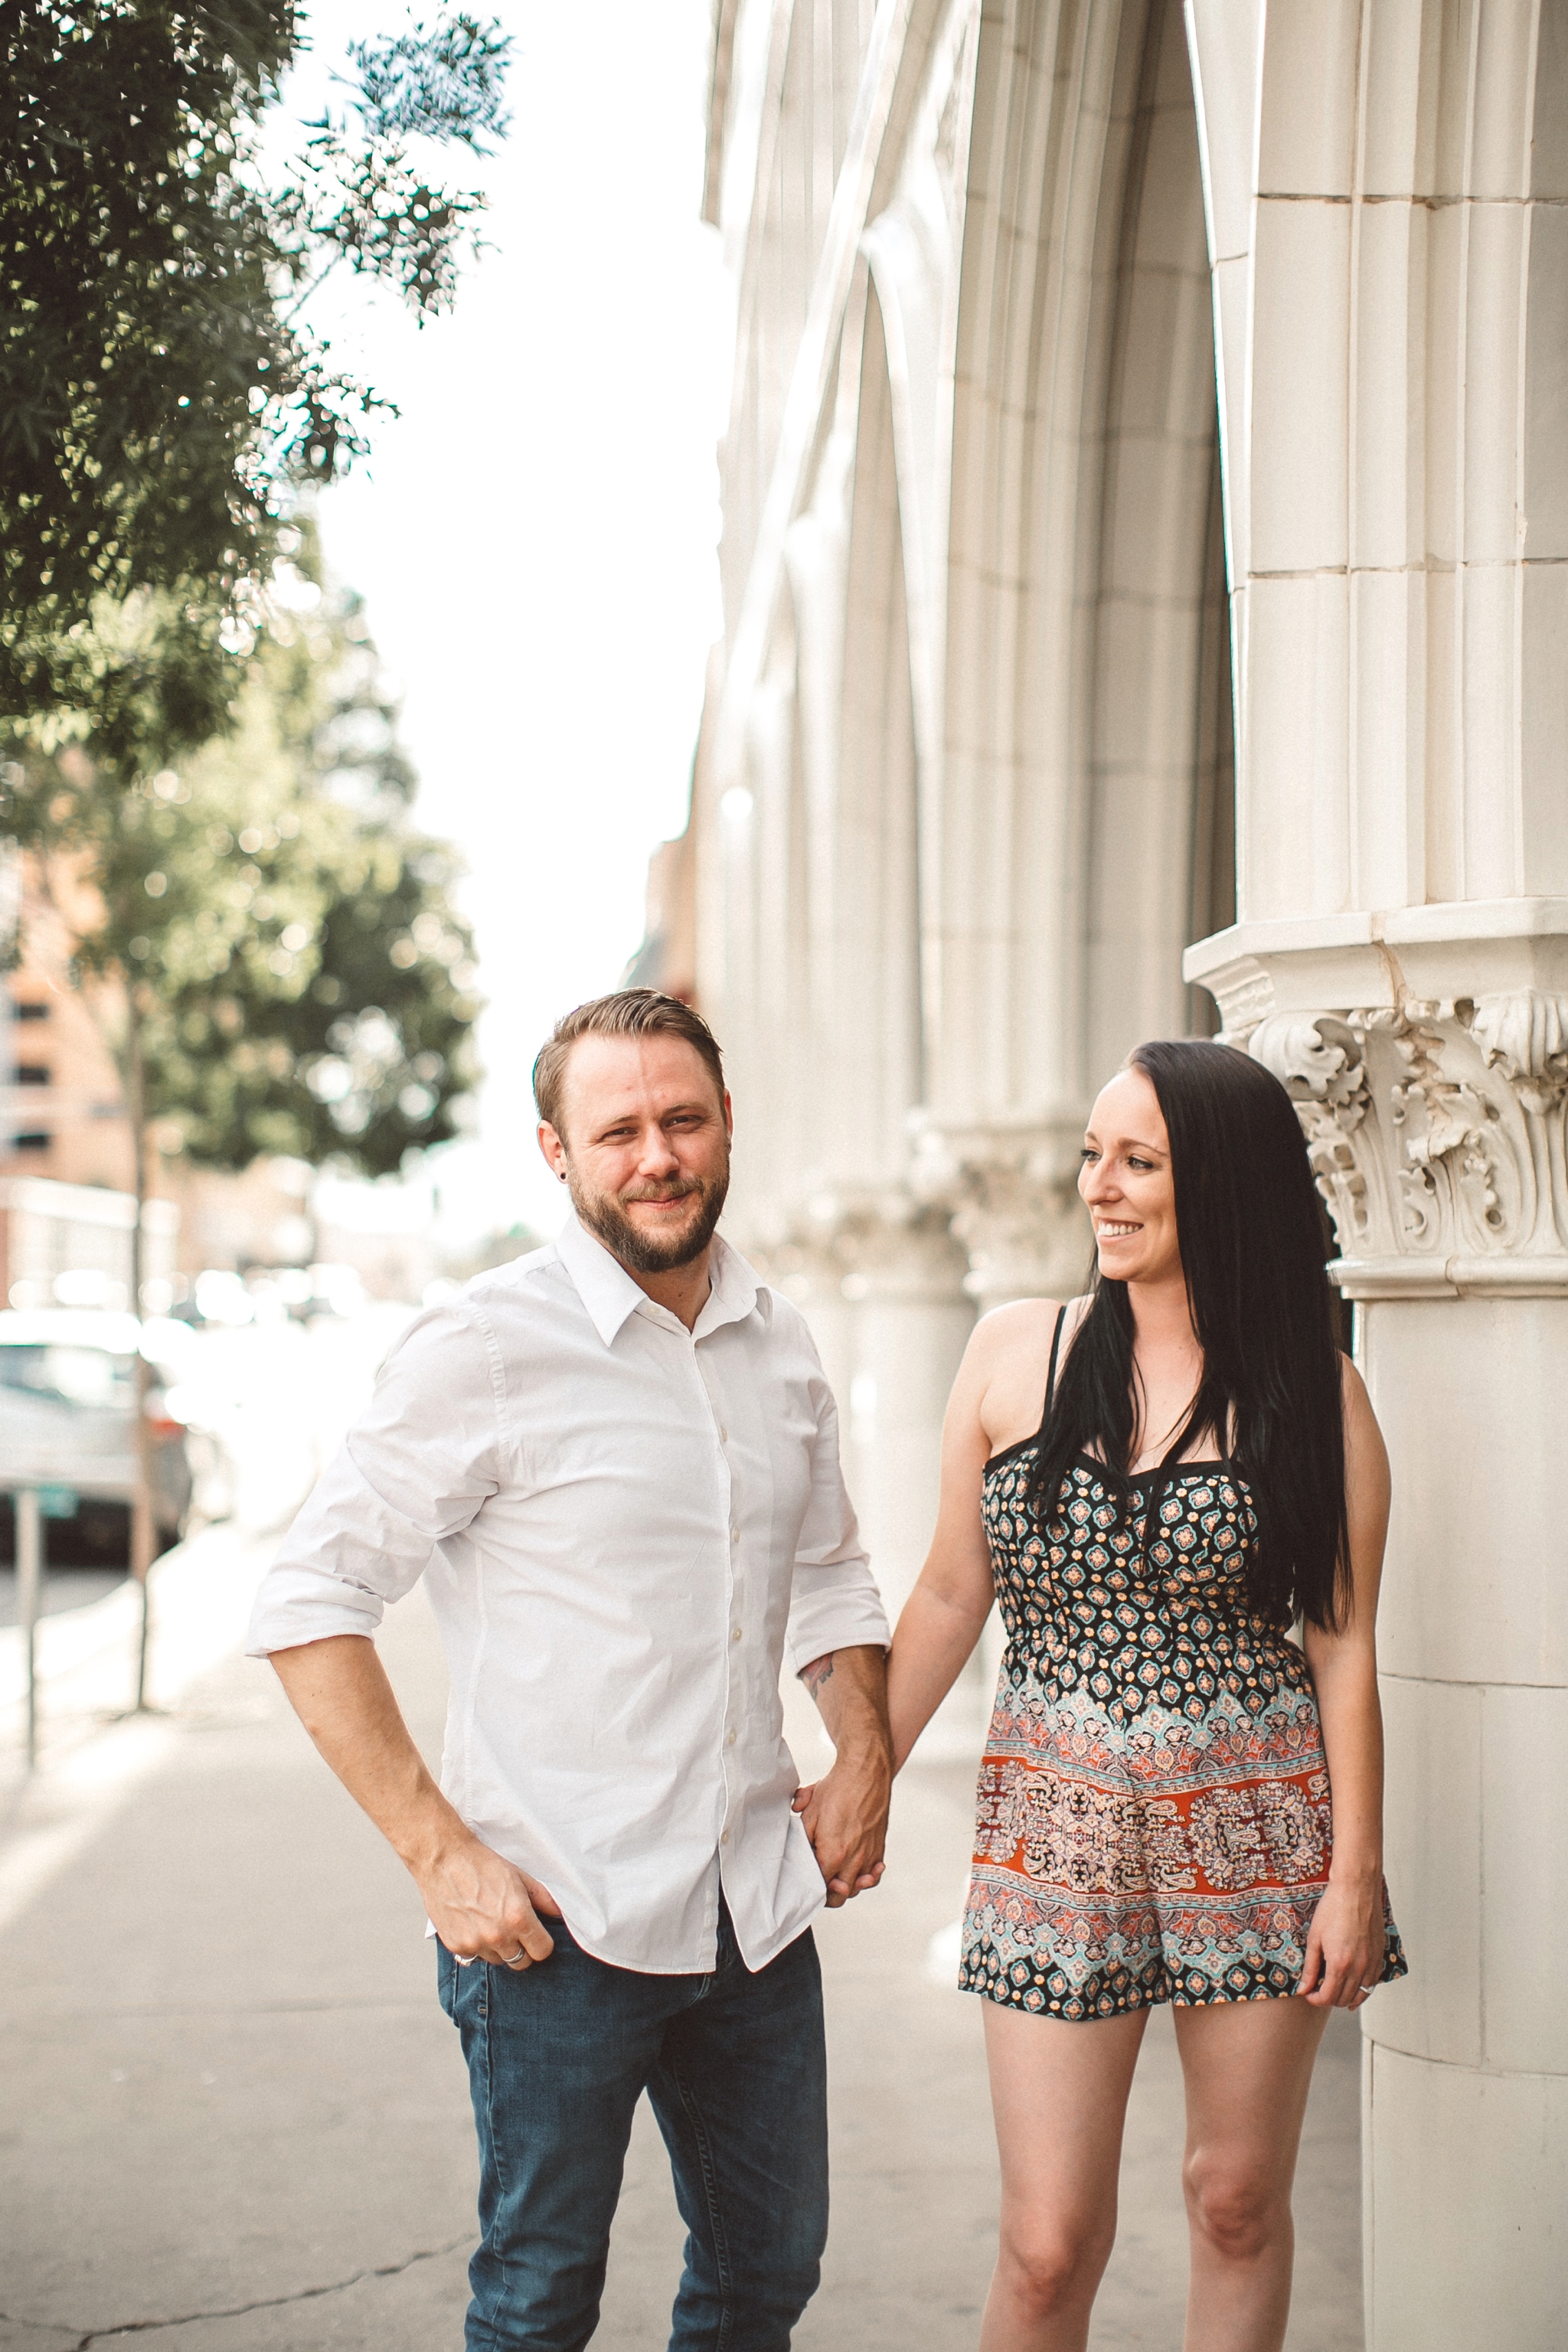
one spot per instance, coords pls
(1153, 1820)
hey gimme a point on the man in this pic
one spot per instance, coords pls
(616, 1463)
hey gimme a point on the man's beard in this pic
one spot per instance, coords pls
(642, 1253)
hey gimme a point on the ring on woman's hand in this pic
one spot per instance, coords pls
(1371, 1988)
(520, 1960)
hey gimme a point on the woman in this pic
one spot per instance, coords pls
(1167, 1774)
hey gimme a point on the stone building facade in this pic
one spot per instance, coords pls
(1145, 568)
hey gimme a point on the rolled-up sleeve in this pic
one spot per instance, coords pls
(423, 1459)
(834, 1600)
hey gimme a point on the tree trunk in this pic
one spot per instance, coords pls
(142, 1533)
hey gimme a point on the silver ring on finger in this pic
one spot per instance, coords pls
(1371, 1988)
(519, 1959)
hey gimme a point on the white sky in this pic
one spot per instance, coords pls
(535, 537)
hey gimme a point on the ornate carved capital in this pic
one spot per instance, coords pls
(1010, 1192)
(1437, 1131)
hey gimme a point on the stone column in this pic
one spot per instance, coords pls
(1010, 1190)
(880, 1280)
(1388, 214)
(1436, 1121)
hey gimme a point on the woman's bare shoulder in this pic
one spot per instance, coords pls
(1020, 1337)
(1008, 1367)
(1022, 1323)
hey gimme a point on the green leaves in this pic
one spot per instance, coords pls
(311, 1039)
(161, 401)
(301, 980)
(442, 81)
(143, 679)
(200, 752)
(372, 209)
(134, 305)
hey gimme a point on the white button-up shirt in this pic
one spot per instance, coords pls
(624, 1526)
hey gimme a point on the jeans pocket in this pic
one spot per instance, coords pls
(446, 1980)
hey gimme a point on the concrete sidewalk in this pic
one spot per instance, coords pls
(236, 2120)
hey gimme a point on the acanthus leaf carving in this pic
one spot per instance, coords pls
(1525, 1035)
(1315, 1056)
(1436, 1129)
(1319, 1061)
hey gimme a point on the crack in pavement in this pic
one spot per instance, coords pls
(236, 2310)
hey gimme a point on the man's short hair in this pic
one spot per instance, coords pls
(629, 1013)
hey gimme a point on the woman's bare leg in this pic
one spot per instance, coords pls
(1247, 2066)
(1059, 2096)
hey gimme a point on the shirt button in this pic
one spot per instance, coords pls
(728, 1739)
(724, 1434)
(736, 1634)
(734, 1535)
(724, 1837)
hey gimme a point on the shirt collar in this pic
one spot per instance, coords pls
(610, 1295)
(734, 1291)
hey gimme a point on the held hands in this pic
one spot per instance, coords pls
(846, 1813)
(483, 1908)
(1345, 1947)
(845, 1818)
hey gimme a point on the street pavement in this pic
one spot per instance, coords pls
(236, 2120)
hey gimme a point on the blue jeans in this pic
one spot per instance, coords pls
(734, 2068)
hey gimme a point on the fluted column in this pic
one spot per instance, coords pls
(841, 147)
(1388, 193)
(880, 1280)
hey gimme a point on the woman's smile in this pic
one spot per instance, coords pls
(1127, 1158)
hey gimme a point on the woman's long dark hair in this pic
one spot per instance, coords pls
(1251, 1233)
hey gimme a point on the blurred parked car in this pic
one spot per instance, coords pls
(67, 1426)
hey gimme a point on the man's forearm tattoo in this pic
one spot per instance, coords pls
(820, 1671)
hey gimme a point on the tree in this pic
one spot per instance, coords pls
(268, 945)
(160, 398)
(269, 942)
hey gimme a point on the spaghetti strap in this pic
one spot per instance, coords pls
(1051, 1373)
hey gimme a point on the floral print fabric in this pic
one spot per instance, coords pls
(1153, 1820)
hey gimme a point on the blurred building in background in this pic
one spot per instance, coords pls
(62, 1114)
(70, 1245)
(67, 1166)
(1077, 688)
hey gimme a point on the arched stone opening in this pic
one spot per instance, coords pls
(1085, 835)
(830, 1217)
(858, 725)
(1161, 781)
